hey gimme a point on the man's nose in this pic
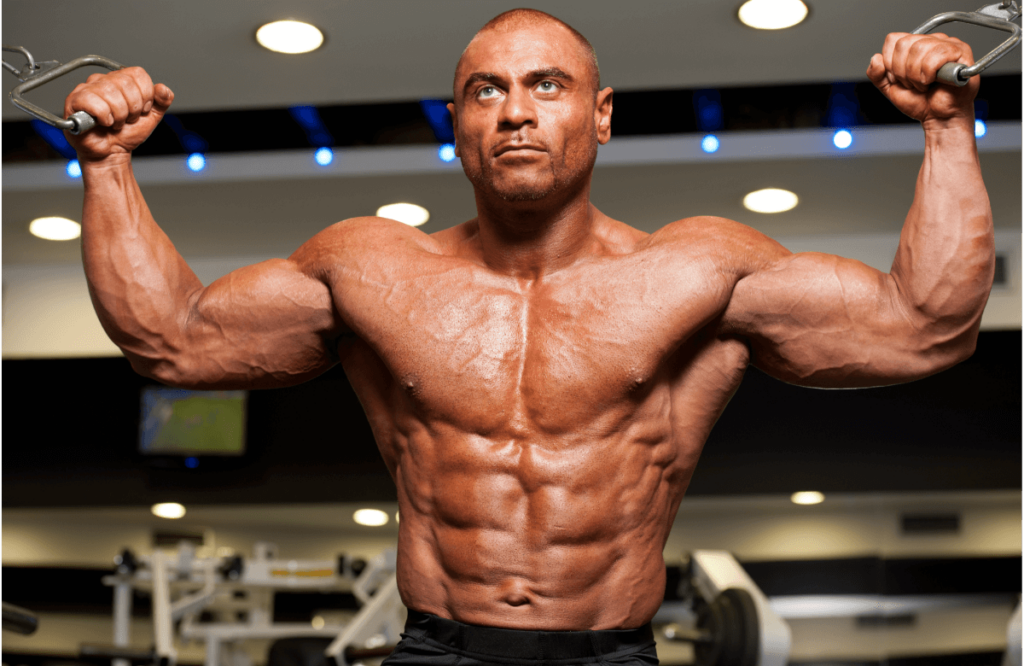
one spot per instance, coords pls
(519, 108)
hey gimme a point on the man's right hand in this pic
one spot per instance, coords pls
(127, 108)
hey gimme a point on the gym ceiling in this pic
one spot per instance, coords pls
(400, 51)
(253, 205)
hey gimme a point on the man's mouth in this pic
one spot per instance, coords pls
(509, 147)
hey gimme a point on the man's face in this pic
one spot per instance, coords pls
(526, 121)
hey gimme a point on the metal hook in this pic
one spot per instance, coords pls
(28, 56)
(997, 16)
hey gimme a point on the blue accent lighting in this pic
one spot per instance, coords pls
(323, 156)
(312, 124)
(55, 138)
(843, 106)
(710, 143)
(842, 139)
(190, 141)
(440, 121)
(191, 462)
(708, 106)
(74, 169)
(196, 161)
(446, 152)
(980, 128)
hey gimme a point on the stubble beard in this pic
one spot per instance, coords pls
(578, 163)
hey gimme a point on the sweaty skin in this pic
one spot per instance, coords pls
(541, 379)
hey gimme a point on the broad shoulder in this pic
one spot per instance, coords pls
(731, 247)
(372, 231)
(362, 237)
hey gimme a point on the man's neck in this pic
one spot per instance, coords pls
(528, 240)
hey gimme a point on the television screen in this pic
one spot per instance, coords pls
(181, 422)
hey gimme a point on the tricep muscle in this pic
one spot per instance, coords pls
(264, 325)
(821, 320)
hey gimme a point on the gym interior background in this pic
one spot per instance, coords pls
(922, 482)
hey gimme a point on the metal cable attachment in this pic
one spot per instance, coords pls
(1012, 6)
(1008, 10)
(998, 16)
(28, 56)
(35, 74)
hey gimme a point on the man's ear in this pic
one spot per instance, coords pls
(455, 127)
(603, 115)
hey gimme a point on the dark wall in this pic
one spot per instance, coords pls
(957, 430)
(71, 429)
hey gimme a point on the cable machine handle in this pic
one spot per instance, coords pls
(80, 121)
(997, 17)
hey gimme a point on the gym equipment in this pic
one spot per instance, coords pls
(733, 623)
(238, 595)
(997, 16)
(378, 626)
(19, 620)
(1014, 644)
(35, 74)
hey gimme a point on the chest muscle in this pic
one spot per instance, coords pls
(487, 357)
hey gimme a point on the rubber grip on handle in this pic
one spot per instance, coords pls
(950, 73)
(83, 122)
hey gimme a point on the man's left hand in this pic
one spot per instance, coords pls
(905, 73)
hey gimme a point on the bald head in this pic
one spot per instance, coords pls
(518, 19)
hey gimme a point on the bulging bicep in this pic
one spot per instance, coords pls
(269, 324)
(821, 320)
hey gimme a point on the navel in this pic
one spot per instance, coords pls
(514, 594)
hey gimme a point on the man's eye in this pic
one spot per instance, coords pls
(488, 91)
(547, 86)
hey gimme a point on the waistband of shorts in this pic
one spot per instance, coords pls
(524, 643)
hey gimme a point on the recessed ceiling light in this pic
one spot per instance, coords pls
(370, 517)
(770, 200)
(406, 213)
(772, 14)
(170, 510)
(290, 37)
(55, 228)
(807, 497)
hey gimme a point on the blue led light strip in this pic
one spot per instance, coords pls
(436, 111)
(309, 120)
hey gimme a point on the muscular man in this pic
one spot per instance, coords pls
(540, 380)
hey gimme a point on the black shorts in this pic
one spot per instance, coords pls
(435, 641)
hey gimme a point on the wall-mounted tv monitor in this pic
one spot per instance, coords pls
(181, 422)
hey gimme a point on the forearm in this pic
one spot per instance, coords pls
(945, 262)
(139, 283)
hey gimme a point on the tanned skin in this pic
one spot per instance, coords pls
(541, 379)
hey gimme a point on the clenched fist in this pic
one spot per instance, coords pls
(127, 108)
(905, 72)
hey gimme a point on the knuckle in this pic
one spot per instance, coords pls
(139, 74)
